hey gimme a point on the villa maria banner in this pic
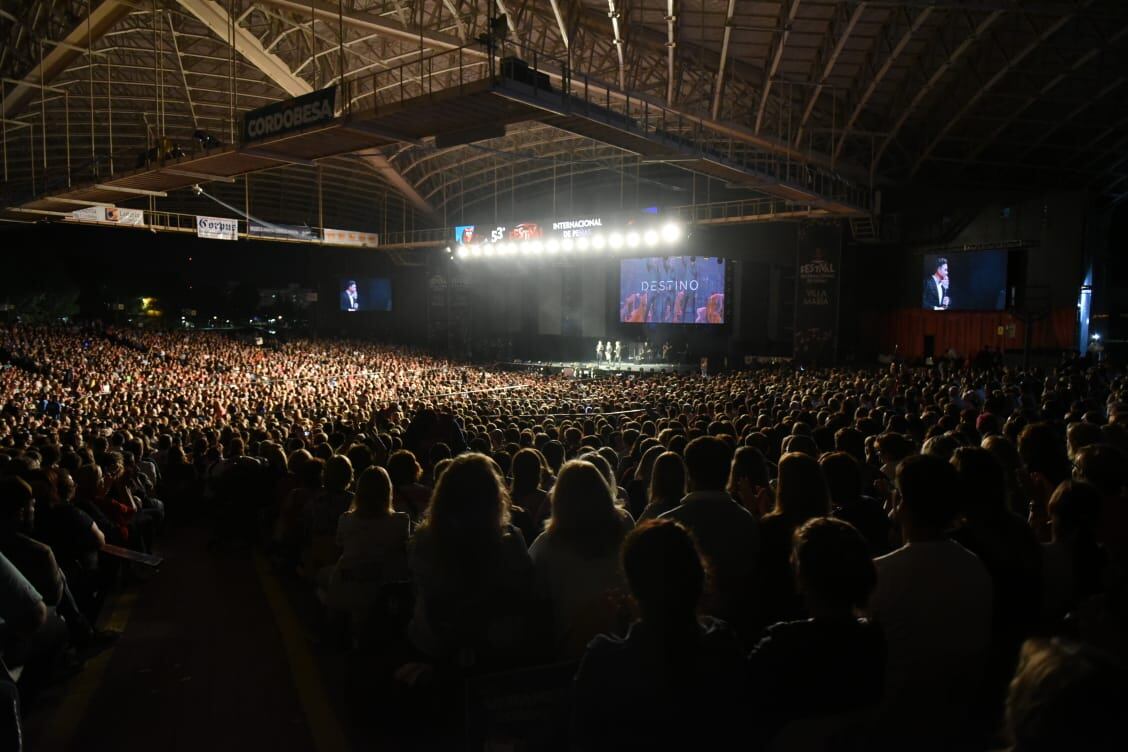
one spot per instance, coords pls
(817, 278)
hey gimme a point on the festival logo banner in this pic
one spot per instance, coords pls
(217, 228)
(817, 278)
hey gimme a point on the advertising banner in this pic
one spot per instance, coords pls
(217, 228)
(291, 115)
(817, 279)
(281, 232)
(110, 215)
(352, 238)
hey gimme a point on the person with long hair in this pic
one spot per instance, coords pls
(471, 569)
(372, 537)
(667, 485)
(801, 494)
(748, 481)
(638, 488)
(576, 558)
(674, 668)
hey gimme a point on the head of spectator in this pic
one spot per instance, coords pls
(801, 491)
(469, 508)
(707, 460)
(925, 502)
(982, 484)
(833, 567)
(843, 478)
(338, 473)
(17, 505)
(667, 480)
(584, 516)
(373, 496)
(748, 476)
(1104, 466)
(527, 473)
(1066, 696)
(1080, 435)
(666, 576)
(403, 468)
(1042, 449)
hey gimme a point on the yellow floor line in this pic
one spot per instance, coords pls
(81, 689)
(328, 734)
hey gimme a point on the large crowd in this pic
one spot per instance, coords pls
(895, 558)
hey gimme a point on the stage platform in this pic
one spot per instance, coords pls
(601, 368)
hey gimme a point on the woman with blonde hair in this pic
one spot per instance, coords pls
(576, 558)
(471, 570)
(667, 485)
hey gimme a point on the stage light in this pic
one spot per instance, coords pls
(489, 250)
(632, 240)
(463, 251)
(535, 247)
(671, 233)
(597, 242)
(582, 244)
(552, 246)
(566, 244)
(650, 237)
(525, 248)
(476, 252)
(615, 241)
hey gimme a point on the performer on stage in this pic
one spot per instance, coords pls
(599, 351)
(607, 352)
(618, 351)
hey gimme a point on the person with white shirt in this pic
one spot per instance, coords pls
(933, 602)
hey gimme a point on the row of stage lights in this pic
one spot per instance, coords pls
(669, 234)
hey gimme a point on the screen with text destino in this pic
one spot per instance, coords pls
(965, 281)
(672, 290)
(366, 294)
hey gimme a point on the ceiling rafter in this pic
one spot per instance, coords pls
(787, 11)
(985, 86)
(838, 33)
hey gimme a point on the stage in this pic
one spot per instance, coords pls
(601, 368)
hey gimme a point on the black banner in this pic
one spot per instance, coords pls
(290, 115)
(817, 277)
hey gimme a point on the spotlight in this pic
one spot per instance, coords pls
(582, 244)
(475, 251)
(535, 247)
(463, 251)
(616, 240)
(566, 244)
(597, 242)
(671, 233)
(632, 240)
(552, 246)
(525, 248)
(489, 251)
(650, 237)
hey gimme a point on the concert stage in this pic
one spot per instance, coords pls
(601, 368)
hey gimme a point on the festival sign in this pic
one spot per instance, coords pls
(290, 115)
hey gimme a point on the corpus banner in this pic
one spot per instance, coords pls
(817, 278)
(352, 238)
(217, 228)
(291, 115)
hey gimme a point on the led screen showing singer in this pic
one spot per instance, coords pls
(672, 290)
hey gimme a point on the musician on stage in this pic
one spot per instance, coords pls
(618, 351)
(599, 350)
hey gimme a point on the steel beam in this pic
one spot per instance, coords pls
(719, 83)
(879, 74)
(792, 8)
(102, 18)
(831, 59)
(983, 88)
(273, 67)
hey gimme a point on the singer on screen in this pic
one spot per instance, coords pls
(935, 294)
(349, 299)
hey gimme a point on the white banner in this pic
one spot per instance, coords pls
(352, 238)
(111, 215)
(217, 228)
